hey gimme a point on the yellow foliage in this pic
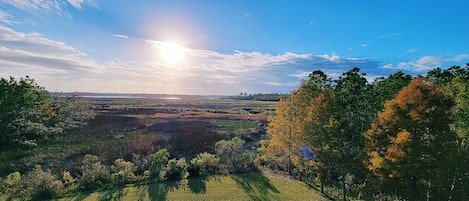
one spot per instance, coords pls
(376, 161)
(402, 137)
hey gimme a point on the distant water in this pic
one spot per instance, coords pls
(112, 96)
(171, 98)
(130, 96)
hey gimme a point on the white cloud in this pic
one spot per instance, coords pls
(33, 50)
(288, 84)
(391, 35)
(412, 50)
(332, 57)
(49, 5)
(78, 3)
(121, 36)
(364, 45)
(6, 18)
(61, 67)
(300, 74)
(427, 62)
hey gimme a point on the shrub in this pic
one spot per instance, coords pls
(40, 184)
(160, 158)
(12, 184)
(209, 163)
(68, 179)
(246, 162)
(122, 172)
(176, 169)
(94, 174)
(141, 163)
(194, 167)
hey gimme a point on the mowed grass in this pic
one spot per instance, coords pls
(249, 186)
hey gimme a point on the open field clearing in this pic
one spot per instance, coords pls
(249, 186)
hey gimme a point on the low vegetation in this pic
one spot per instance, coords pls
(397, 138)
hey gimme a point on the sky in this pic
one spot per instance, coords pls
(213, 47)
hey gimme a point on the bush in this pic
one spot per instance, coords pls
(94, 174)
(11, 185)
(141, 163)
(37, 185)
(40, 184)
(176, 169)
(209, 163)
(160, 158)
(68, 179)
(122, 172)
(194, 167)
(246, 162)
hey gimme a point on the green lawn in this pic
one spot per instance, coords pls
(250, 186)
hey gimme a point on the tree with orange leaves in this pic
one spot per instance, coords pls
(410, 145)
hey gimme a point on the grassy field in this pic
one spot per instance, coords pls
(249, 186)
(142, 126)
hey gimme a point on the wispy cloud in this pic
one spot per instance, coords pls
(79, 3)
(6, 18)
(412, 50)
(49, 6)
(33, 50)
(62, 67)
(121, 36)
(332, 57)
(427, 62)
(300, 74)
(391, 35)
(54, 5)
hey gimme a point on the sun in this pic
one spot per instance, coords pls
(171, 53)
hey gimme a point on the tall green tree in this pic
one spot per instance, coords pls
(25, 110)
(454, 81)
(29, 113)
(384, 89)
(352, 107)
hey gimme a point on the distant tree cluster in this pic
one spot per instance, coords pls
(399, 137)
(259, 96)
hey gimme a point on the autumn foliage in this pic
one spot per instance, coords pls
(397, 138)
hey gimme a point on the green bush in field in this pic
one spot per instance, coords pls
(40, 184)
(36, 185)
(209, 163)
(160, 159)
(122, 172)
(194, 167)
(94, 174)
(11, 185)
(176, 169)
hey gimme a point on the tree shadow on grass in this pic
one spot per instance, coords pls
(256, 185)
(115, 194)
(159, 190)
(197, 184)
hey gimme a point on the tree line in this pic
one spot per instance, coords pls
(399, 137)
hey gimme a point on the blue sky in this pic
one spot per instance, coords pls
(227, 47)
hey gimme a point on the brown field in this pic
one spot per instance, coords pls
(126, 128)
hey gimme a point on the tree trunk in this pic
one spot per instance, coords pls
(344, 189)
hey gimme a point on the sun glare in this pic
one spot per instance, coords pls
(171, 52)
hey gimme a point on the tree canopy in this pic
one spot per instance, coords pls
(28, 113)
(399, 136)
